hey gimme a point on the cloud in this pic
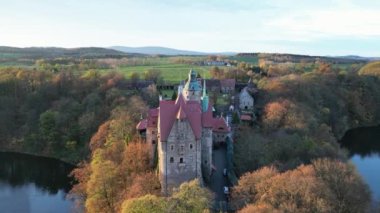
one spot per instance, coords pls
(310, 25)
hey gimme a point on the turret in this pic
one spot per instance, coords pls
(205, 99)
(192, 89)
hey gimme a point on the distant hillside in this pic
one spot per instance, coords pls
(7, 53)
(355, 57)
(283, 58)
(164, 51)
(155, 50)
(372, 69)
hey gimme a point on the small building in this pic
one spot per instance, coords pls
(215, 63)
(227, 86)
(220, 130)
(213, 85)
(246, 101)
(246, 97)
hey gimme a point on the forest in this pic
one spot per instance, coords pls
(289, 160)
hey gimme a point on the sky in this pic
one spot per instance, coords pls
(323, 27)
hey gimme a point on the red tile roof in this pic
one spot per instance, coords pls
(169, 110)
(245, 117)
(227, 83)
(207, 119)
(220, 125)
(142, 125)
(153, 117)
(181, 113)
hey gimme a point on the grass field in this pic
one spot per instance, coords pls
(169, 72)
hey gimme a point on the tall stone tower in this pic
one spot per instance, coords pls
(179, 149)
(192, 90)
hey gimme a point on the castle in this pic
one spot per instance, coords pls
(181, 134)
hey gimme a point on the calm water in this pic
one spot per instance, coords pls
(364, 147)
(34, 184)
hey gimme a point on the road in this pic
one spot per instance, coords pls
(218, 180)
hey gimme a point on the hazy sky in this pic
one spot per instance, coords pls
(323, 27)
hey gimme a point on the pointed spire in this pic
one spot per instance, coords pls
(204, 87)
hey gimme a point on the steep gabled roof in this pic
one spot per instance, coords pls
(181, 115)
(220, 125)
(142, 124)
(169, 111)
(153, 117)
(207, 119)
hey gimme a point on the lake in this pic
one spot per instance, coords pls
(34, 184)
(363, 145)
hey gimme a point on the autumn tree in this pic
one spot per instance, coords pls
(309, 188)
(153, 75)
(349, 193)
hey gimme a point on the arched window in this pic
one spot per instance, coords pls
(171, 147)
(171, 159)
(181, 160)
(153, 142)
(191, 146)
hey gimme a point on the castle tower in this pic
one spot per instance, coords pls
(179, 149)
(192, 90)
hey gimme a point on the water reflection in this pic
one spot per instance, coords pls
(34, 184)
(362, 141)
(363, 145)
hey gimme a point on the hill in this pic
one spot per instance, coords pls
(7, 53)
(155, 50)
(372, 69)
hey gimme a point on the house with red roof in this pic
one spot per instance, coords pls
(182, 133)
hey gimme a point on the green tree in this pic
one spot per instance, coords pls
(174, 96)
(147, 203)
(48, 127)
(190, 197)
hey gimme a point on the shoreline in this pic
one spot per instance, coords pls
(38, 155)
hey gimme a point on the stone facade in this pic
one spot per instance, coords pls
(179, 157)
(182, 132)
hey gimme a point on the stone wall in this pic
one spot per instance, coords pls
(206, 152)
(152, 141)
(179, 157)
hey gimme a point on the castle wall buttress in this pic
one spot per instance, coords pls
(206, 153)
(152, 141)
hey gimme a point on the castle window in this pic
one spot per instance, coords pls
(182, 148)
(191, 146)
(153, 141)
(171, 147)
(171, 159)
(181, 160)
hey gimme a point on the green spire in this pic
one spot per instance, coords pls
(204, 97)
(204, 87)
